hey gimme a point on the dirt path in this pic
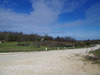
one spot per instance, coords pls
(61, 62)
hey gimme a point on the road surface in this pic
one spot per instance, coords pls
(57, 62)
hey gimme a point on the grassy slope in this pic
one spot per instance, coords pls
(13, 47)
(95, 58)
(96, 53)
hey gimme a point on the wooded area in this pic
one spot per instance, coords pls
(44, 40)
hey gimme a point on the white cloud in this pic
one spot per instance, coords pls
(9, 3)
(44, 17)
(92, 17)
(73, 5)
(92, 20)
(93, 13)
(46, 12)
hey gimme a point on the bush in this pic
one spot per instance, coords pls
(95, 57)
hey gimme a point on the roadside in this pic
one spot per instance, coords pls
(94, 56)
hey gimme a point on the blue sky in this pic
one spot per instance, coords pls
(76, 18)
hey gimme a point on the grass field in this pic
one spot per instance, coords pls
(13, 47)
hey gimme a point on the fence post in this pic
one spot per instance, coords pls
(46, 49)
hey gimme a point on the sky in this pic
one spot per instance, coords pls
(79, 19)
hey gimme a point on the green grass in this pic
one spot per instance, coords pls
(13, 47)
(96, 58)
(96, 52)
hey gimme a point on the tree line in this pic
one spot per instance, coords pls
(44, 40)
(19, 37)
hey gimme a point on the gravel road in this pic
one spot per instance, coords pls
(56, 62)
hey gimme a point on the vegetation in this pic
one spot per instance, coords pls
(96, 53)
(18, 42)
(14, 47)
(95, 56)
(20, 37)
(23, 47)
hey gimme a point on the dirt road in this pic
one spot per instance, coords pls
(57, 62)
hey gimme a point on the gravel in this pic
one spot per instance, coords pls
(57, 62)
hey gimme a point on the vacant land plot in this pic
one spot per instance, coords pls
(27, 46)
(60, 62)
